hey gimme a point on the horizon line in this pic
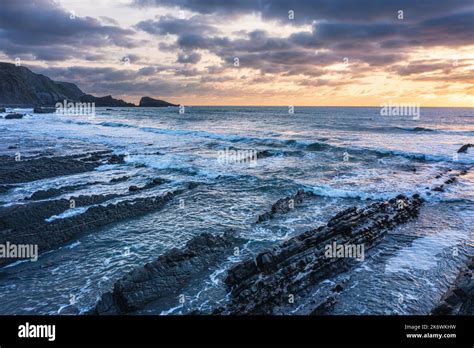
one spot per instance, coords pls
(316, 106)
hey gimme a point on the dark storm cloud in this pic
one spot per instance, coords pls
(256, 41)
(171, 25)
(92, 74)
(376, 43)
(450, 30)
(188, 72)
(193, 41)
(105, 81)
(309, 10)
(190, 58)
(342, 25)
(290, 56)
(259, 40)
(59, 52)
(151, 70)
(43, 30)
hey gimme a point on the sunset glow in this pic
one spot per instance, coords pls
(329, 53)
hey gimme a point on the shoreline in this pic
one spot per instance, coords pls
(24, 222)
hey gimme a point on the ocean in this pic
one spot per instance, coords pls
(346, 156)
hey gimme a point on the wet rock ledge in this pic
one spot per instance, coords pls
(263, 285)
(165, 276)
(284, 205)
(172, 271)
(459, 299)
(27, 225)
(14, 171)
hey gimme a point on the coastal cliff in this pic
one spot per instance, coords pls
(21, 87)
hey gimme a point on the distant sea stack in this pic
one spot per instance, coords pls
(154, 103)
(104, 101)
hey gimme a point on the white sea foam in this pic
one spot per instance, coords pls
(68, 213)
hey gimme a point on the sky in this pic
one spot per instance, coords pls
(250, 52)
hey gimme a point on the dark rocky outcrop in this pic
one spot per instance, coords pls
(56, 191)
(13, 116)
(263, 154)
(3, 110)
(44, 110)
(284, 205)
(19, 86)
(173, 270)
(52, 192)
(25, 170)
(119, 179)
(155, 103)
(463, 149)
(18, 217)
(50, 235)
(167, 275)
(452, 179)
(459, 299)
(117, 159)
(153, 183)
(5, 188)
(263, 284)
(104, 101)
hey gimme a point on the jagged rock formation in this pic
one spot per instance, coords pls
(119, 179)
(13, 116)
(117, 159)
(25, 223)
(16, 217)
(150, 102)
(26, 169)
(104, 101)
(261, 285)
(263, 154)
(153, 183)
(173, 270)
(459, 299)
(284, 205)
(50, 235)
(463, 149)
(453, 178)
(43, 110)
(19, 86)
(167, 275)
(55, 191)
